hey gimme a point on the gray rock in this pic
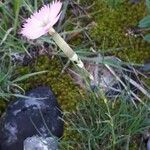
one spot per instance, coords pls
(40, 143)
(148, 144)
(37, 115)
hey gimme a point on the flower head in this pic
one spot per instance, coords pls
(41, 21)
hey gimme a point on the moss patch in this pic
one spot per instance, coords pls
(112, 26)
(67, 93)
(2, 106)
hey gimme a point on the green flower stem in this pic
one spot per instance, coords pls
(68, 50)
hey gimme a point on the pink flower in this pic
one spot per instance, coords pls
(41, 21)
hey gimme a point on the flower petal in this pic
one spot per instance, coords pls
(52, 23)
(40, 22)
(33, 32)
(43, 14)
(55, 8)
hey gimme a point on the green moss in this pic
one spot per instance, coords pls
(67, 93)
(2, 106)
(112, 26)
(62, 85)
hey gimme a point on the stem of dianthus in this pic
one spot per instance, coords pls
(68, 51)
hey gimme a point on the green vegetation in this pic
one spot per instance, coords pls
(67, 93)
(145, 22)
(91, 122)
(112, 27)
(101, 124)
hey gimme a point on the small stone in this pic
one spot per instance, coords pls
(148, 144)
(40, 143)
(36, 115)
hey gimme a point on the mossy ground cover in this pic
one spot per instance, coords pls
(61, 84)
(111, 32)
(67, 93)
(90, 127)
(112, 26)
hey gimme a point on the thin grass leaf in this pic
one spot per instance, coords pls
(17, 6)
(5, 36)
(28, 6)
(148, 5)
(35, 5)
(138, 86)
(24, 77)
